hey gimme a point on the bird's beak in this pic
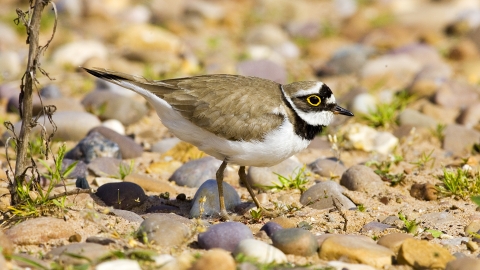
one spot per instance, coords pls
(339, 110)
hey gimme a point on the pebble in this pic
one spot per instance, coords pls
(270, 227)
(71, 126)
(100, 181)
(470, 116)
(259, 177)
(459, 139)
(120, 264)
(76, 53)
(150, 184)
(424, 191)
(362, 178)
(114, 125)
(80, 169)
(321, 196)
(127, 215)
(441, 114)
(206, 203)
(415, 118)
(111, 105)
(39, 231)
(472, 227)
(295, 241)
(354, 249)
(362, 137)
(128, 147)
(106, 166)
(194, 173)
(393, 241)
(465, 263)
(104, 241)
(62, 104)
(429, 79)
(122, 195)
(285, 222)
(263, 68)
(226, 236)
(10, 65)
(6, 244)
(423, 254)
(94, 145)
(327, 167)
(50, 91)
(164, 145)
(339, 265)
(363, 103)
(215, 259)
(456, 94)
(85, 253)
(375, 227)
(261, 251)
(346, 60)
(165, 230)
(146, 42)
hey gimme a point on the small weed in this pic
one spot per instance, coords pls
(35, 201)
(421, 163)
(124, 170)
(439, 131)
(383, 170)
(361, 208)
(298, 180)
(434, 233)
(411, 226)
(385, 114)
(459, 183)
(256, 214)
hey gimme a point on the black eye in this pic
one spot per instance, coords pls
(314, 100)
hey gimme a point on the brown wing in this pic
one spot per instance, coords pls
(230, 106)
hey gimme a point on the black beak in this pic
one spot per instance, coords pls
(339, 110)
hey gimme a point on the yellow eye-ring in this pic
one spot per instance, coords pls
(314, 100)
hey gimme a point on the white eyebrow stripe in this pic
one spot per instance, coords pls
(331, 100)
(310, 91)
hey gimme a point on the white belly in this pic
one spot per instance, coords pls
(276, 146)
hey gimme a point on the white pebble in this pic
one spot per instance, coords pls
(122, 264)
(115, 125)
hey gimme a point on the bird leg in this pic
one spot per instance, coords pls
(221, 198)
(243, 178)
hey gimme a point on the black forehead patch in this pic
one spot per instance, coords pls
(325, 91)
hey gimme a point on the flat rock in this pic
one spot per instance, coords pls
(459, 139)
(226, 236)
(150, 184)
(106, 166)
(210, 205)
(128, 147)
(76, 53)
(127, 215)
(39, 231)
(194, 173)
(165, 230)
(423, 254)
(120, 264)
(85, 253)
(362, 178)
(261, 251)
(295, 241)
(122, 195)
(321, 196)
(456, 94)
(115, 106)
(354, 249)
(415, 118)
(80, 169)
(470, 116)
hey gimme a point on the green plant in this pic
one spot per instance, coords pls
(439, 131)
(385, 114)
(459, 183)
(383, 170)
(434, 233)
(361, 208)
(34, 200)
(124, 170)
(298, 180)
(256, 214)
(411, 226)
(424, 159)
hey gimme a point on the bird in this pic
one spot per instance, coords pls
(242, 120)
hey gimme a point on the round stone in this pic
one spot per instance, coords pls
(327, 167)
(224, 235)
(165, 230)
(215, 259)
(362, 178)
(423, 254)
(321, 196)
(271, 227)
(194, 173)
(295, 241)
(261, 251)
(128, 147)
(393, 241)
(206, 202)
(122, 195)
